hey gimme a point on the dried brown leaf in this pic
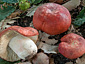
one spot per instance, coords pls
(72, 4)
(4, 23)
(69, 63)
(81, 60)
(48, 48)
(83, 1)
(40, 58)
(51, 61)
(14, 14)
(44, 37)
(72, 29)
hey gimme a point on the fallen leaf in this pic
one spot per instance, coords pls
(44, 37)
(15, 14)
(48, 48)
(31, 24)
(4, 23)
(81, 60)
(83, 1)
(72, 4)
(31, 10)
(49, 41)
(40, 58)
(72, 29)
(69, 63)
(78, 61)
(51, 61)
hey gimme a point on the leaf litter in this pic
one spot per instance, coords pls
(48, 44)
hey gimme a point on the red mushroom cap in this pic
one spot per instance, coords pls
(52, 18)
(26, 31)
(72, 46)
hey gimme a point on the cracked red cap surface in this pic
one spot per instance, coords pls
(72, 46)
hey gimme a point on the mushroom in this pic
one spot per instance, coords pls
(18, 43)
(72, 46)
(52, 18)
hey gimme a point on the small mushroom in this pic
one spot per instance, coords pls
(18, 43)
(72, 46)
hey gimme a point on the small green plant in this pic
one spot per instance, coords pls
(11, 6)
(80, 18)
(24, 4)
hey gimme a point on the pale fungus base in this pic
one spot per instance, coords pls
(23, 46)
(5, 51)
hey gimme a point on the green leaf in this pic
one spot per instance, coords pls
(82, 13)
(37, 1)
(33, 1)
(10, 1)
(6, 62)
(6, 12)
(1, 3)
(80, 18)
(78, 22)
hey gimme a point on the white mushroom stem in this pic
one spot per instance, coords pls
(23, 46)
(72, 4)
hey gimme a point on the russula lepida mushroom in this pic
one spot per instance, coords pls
(52, 18)
(72, 46)
(18, 43)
